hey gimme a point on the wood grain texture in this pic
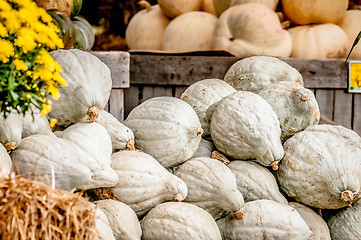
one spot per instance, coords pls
(131, 99)
(155, 91)
(343, 108)
(357, 114)
(116, 104)
(325, 102)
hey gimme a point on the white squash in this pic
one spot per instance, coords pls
(122, 219)
(244, 126)
(174, 8)
(103, 226)
(166, 128)
(208, 6)
(205, 149)
(10, 130)
(351, 29)
(255, 182)
(179, 221)
(5, 162)
(88, 90)
(265, 219)
(202, 94)
(33, 123)
(122, 137)
(211, 186)
(137, 171)
(222, 5)
(256, 72)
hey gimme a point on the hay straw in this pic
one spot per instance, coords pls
(32, 210)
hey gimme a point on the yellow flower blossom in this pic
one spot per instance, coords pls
(28, 96)
(6, 50)
(20, 65)
(52, 122)
(54, 92)
(59, 79)
(4, 6)
(26, 39)
(12, 23)
(3, 31)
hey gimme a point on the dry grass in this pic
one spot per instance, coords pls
(32, 210)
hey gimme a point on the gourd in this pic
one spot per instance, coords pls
(84, 34)
(202, 94)
(146, 28)
(178, 221)
(343, 224)
(265, 219)
(69, 8)
(320, 167)
(205, 149)
(5, 162)
(208, 6)
(351, 29)
(190, 31)
(94, 150)
(255, 182)
(103, 225)
(10, 130)
(67, 31)
(174, 8)
(137, 171)
(251, 29)
(321, 11)
(166, 128)
(33, 123)
(211, 186)
(315, 222)
(256, 72)
(88, 90)
(319, 41)
(244, 126)
(222, 5)
(122, 137)
(295, 106)
(122, 219)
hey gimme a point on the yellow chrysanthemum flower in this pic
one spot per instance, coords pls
(20, 65)
(3, 31)
(6, 50)
(52, 122)
(54, 92)
(26, 39)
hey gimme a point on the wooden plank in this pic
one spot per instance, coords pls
(118, 63)
(116, 104)
(357, 114)
(131, 99)
(179, 90)
(155, 91)
(325, 102)
(343, 108)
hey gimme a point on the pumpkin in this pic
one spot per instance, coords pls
(191, 31)
(244, 126)
(122, 137)
(33, 123)
(321, 167)
(173, 8)
(319, 41)
(67, 31)
(222, 5)
(205, 149)
(5, 162)
(178, 221)
(137, 171)
(122, 219)
(265, 219)
(166, 128)
(88, 90)
(295, 106)
(84, 34)
(251, 29)
(146, 28)
(255, 73)
(304, 12)
(211, 186)
(315, 222)
(202, 94)
(255, 182)
(208, 6)
(351, 29)
(10, 130)
(103, 226)
(70, 8)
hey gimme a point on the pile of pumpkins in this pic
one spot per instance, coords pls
(242, 157)
(317, 29)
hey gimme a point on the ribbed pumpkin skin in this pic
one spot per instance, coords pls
(211, 186)
(5, 162)
(244, 126)
(67, 31)
(315, 222)
(70, 8)
(255, 182)
(179, 221)
(202, 94)
(205, 149)
(265, 219)
(103, 226)
(351, 29)
(89, 85)
(138, 171)
(295, 106)
(222, 5)
(320, 163)
(166, 128)
(174, 8)
(257, 72)
(35, 124)
(10, 130)
(84, 34)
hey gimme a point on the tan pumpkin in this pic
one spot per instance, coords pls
(174, 8)
(146, 28)
(318, 41)
(208, 6)
(314, 11)
(251, 29)
(348, 24)
(191, 31)
(222, 5)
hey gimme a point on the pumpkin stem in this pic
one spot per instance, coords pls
(10, 145)
(93, 113)
(285, 24)
(239, 214)
(102, 193)
(178, 198)
(274, 165)
(347, 197)
(199, 131)
(145, 4)
(130, 145)
(219, 156)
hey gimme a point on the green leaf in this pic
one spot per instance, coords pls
(357, 39)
